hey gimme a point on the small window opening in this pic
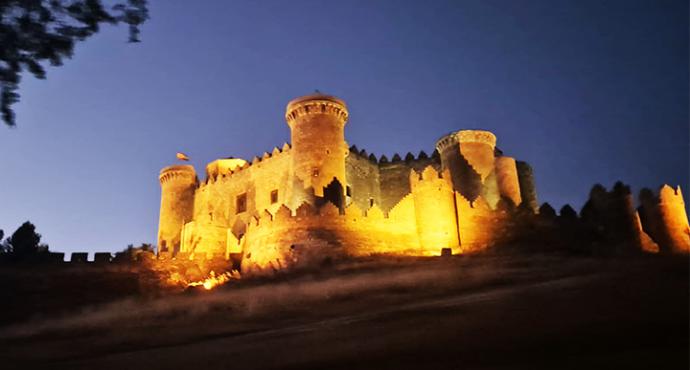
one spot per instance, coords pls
(241, 203)
(274, 196)
(348, 191)
(371, 202)
(315, 172)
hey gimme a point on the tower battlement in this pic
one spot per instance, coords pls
(477, 136)
(316, 104)
(466, 136)
(183, 171)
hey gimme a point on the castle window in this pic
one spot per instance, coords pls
(274, 196)
(348, 191)
(241, 203)
(315, 172)
(371, 202)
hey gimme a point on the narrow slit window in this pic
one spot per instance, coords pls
(241, 203)
(274, 196)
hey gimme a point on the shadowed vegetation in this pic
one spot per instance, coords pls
(36, 32)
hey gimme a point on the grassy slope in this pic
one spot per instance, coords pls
(539, 311)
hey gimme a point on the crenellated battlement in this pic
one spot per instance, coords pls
(477, 136)
(316, 104)
(409, 158)
(429, 173)
(226, 173)
(177, 172)
(466, 136)
(669, 195)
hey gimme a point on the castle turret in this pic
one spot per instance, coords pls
(469, 156)
(507, 177)
(674, 220)
(528, 191)
(178, 184)
(223, 166)
(435, 212)
(317, 125)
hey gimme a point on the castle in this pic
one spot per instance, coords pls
(319, 197)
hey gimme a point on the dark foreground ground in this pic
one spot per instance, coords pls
(481, 312)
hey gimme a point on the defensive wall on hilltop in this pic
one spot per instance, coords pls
(339, 199)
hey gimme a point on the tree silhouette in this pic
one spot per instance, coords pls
(3, 245)
(131, 252)
(33, 32)
(25, 241)
(546, 211)
(567, 212)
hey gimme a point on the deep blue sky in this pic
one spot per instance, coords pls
(586, 91)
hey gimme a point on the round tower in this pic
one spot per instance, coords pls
(435, 211)
(478, 148)
(317, 131)
(508, 181)
(178, 184)
(528, 191)
(469, 156)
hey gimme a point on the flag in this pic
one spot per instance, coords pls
(182, 156)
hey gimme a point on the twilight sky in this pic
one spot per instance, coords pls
(585, 91)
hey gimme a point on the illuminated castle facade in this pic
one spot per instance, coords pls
(318, 196)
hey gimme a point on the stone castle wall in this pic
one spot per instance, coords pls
(363, 180)
(430, 218)
(413, 204)
(216, 201)
(663, 217)
(380, 181)
(310, 235)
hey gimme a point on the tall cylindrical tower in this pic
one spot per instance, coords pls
(507, 177)
(178, 184)
(469, 156)
(478, 148)
(317, 126)
(528, 191)
(435, 211)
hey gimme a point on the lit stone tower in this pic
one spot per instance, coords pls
(508, 181)
(178, 184)
(469, 156)
(317, 125)
(435, 212)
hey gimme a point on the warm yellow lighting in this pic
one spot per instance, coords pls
(213, 280)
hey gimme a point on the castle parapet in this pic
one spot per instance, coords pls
(477, 136)
(176, 172)
(316, 104)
